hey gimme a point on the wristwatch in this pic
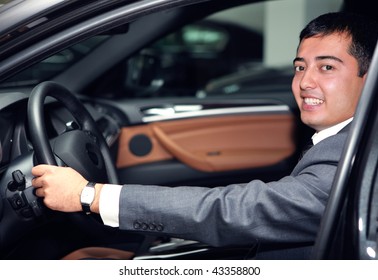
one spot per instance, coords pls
(87, 197)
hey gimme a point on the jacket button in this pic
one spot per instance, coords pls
(159, 227)
(144, 226)
(152, 226)
(137, 225)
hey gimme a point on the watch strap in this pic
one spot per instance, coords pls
(85, 206)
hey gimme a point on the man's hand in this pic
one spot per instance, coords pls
(59, 186)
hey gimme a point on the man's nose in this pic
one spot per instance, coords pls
(308, 80)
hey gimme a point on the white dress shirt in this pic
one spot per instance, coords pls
(323, 134)
(110, 194)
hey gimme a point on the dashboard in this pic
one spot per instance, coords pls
(14, 134)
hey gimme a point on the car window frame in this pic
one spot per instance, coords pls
(349, 163)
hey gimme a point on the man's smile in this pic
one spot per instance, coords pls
(312, 101)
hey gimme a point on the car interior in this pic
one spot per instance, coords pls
(146, 94)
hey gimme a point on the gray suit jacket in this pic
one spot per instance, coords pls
(288, 210)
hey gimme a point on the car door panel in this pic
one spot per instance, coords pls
(209, 145)
(213, 144)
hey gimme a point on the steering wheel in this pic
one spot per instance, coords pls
(81, 147)
(84, 149)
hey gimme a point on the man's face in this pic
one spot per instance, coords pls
(326, 85)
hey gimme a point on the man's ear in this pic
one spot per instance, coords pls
(364, 77)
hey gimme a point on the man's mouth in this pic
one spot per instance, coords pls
(313, 101)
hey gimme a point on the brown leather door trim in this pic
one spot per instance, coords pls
(228, 143)
(216, 143)
(126, 158)
(197, 161)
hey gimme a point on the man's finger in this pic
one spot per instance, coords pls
(40, 169)
(39, 192)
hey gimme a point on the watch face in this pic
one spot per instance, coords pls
(87, 195)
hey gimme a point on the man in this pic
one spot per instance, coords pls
(331, 64)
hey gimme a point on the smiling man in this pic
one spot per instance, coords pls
(331, 65)
(322, 68)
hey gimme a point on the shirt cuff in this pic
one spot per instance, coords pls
(109, 204)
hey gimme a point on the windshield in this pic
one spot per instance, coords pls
(55, 64)
(2, 2)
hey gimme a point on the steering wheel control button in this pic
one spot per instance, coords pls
(18, 182)
(17, 201)
(87, 197)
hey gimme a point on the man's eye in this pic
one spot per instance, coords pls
(298, 68)
(327, 67)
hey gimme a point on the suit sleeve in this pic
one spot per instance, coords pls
(288, 210)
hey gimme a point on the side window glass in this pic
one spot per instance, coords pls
(183, 63)
(245, 50)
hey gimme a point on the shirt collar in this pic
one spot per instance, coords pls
(325, 133)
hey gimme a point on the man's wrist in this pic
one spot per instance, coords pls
(95, 207)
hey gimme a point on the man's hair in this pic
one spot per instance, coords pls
(362, 30)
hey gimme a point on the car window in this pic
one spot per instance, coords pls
(54, 64)
(227, 53)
